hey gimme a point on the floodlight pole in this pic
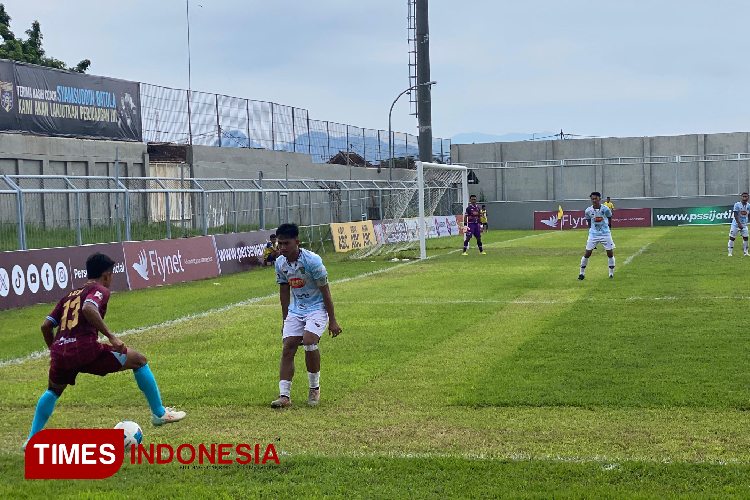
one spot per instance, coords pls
(390, 133)
(424, 92)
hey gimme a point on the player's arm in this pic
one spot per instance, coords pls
(737, 219)
(48, 331)
(91, 312)
(50, 323)
(333, 325)
(285, 296)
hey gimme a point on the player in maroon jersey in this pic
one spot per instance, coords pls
(472, 225)
(79, 317)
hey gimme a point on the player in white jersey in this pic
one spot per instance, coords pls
(301, 273)
(740, 211)
(598, 216)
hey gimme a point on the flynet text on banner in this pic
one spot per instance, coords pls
(41, 276)
(575, 219)
(164, 262)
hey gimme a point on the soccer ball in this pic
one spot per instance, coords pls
(133, 433)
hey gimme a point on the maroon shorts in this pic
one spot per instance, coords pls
(98, 359)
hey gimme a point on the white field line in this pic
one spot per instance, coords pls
(533, 301)
(254, 300)
(636, 254)
(608, 463)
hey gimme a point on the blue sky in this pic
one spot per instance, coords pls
(589, 67)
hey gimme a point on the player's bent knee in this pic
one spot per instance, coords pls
(56, 388)
(134, 360)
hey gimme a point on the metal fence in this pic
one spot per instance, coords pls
(185, 117)
(672, 176)
(55, 210)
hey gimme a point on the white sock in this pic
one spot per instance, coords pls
(611, 262)
(731, 246)
(744, 245)
(285, 387)
(584, 263)
(314, 379)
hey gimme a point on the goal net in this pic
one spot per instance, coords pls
(419, 210)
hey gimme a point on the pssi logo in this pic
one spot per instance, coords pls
(74, 454)
(598, 219)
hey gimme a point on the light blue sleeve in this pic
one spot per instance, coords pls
(736, 208)
(280, 278)
(587, 214)
(317, 269)
(607, 212)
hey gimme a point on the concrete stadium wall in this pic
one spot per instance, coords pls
(620, 181)
(242, 163)
(22, 154)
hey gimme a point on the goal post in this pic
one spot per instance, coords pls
(431, 189)
(421, 166)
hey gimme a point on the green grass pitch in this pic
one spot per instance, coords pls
(474, 376)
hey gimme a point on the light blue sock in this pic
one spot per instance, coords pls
(44, 409)
(147, 383)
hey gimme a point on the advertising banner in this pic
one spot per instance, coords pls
(446, 225)
(692, 216)
(39, 276)
(575, 219)
(398, 231)
(49, 101)
(164, 262)
(353, 235)
(239, 252)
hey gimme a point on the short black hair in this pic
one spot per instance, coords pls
(290, 231)
(273, 235)
(473, 196)
(484, 206)
(745, 193)
(595, 193)
(98, 264)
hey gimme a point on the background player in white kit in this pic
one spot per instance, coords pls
(739, 223)
(301, 273)
(598, 216)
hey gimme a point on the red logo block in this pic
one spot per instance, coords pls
(74, 454)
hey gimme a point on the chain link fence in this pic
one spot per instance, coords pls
(56, 210)
(185, 117)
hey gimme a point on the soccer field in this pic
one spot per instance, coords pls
(494, 375)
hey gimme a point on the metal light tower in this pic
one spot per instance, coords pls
(424, 92)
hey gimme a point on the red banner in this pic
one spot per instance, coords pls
(46, 275)
(574, 219)
(164, 262)
(239, 252)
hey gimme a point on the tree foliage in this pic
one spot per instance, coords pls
(30, 50)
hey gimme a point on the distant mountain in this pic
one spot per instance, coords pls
(479, 138)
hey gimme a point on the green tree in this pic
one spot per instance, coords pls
(30, 50)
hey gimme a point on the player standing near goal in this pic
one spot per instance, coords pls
(301, 273)
(472, 225)
(598, 216)
(739, 223)
(79, 317)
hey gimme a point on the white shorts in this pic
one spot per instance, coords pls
(296, 325)
(734, 230)
(605, 240)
